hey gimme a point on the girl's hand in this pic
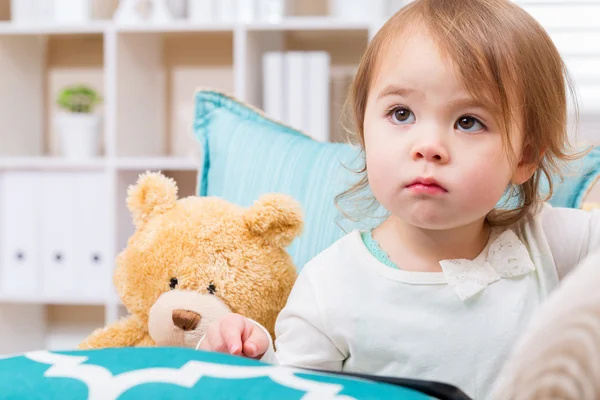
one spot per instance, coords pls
(234, 334)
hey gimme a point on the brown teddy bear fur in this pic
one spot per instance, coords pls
(212, 247)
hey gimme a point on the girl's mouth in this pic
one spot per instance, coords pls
(426, 186)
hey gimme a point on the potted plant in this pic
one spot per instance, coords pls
(77, 124)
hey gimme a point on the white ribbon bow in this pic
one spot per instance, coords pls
(507, 258)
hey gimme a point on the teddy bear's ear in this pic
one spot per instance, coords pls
(276, 217)
(152, 195)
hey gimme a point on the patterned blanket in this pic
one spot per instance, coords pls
(175, 373)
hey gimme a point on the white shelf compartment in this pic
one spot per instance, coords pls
(51, 327)
(344, 47)
(39, 66)
(157, 75)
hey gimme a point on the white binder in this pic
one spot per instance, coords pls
(318, 96)
(273, 85)
(56, 204)
(19, 200)
(295, 89)
(91, 211)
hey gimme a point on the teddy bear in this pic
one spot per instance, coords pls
(194, 259)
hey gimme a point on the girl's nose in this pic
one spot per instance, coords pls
(435, 153)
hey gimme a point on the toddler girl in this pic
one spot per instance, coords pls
(456, 104)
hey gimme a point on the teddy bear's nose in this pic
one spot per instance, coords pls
(186, 320)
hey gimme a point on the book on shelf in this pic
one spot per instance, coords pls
(295, 90)
(273, 82)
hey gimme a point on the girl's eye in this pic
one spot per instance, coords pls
(402, 116)
(469, 125)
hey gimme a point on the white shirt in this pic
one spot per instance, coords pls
(350, 312)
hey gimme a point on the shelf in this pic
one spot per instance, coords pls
(288, 24)
(99, 27)
(50, 163)
(323, 23)
(94, 27)
(180, 26)
(49, 300)
(158, 75)
(39, 68)
(157, 163)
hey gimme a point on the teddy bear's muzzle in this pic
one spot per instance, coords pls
(182, 317)
(186, 320)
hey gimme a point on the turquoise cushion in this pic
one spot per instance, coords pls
(579, 176)
(172, 373)
(247, 154)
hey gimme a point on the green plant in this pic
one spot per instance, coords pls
(78, 99)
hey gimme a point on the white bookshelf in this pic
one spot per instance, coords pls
(147, 75)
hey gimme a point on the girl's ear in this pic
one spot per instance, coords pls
(152, 195)
(527, 166)
(523, 173)
(276, 217)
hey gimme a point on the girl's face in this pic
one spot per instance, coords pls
(435, 156)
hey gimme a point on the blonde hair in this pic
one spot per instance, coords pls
(518, 73)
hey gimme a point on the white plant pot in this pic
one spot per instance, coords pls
(79, 135)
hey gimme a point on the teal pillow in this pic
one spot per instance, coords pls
(177, 373)
(247, 154)
(578, 178)
(571, 186)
